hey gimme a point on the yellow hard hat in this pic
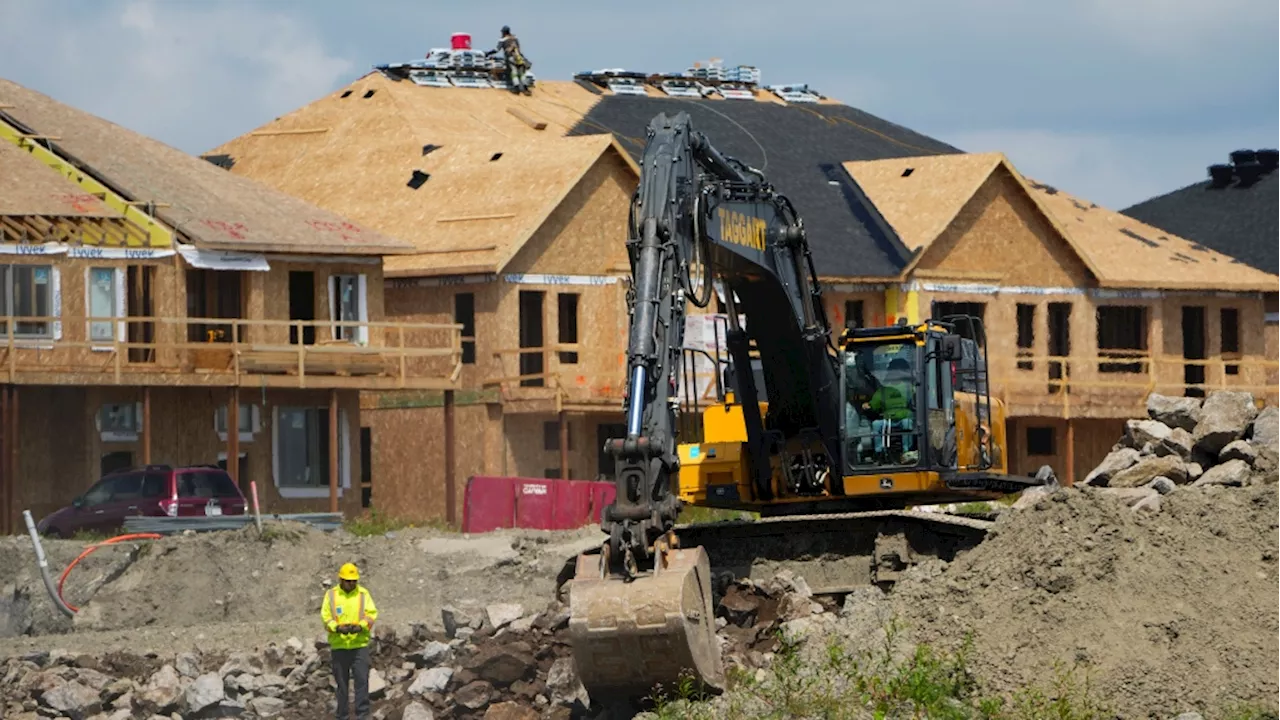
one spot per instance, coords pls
(348, 572)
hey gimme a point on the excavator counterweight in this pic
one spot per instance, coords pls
(832, 446)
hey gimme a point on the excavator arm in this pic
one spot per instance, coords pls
(641, 609)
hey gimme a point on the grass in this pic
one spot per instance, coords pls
(376, 522)
(926, 683)
(694, 514)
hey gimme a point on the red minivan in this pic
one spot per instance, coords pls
(154, 490)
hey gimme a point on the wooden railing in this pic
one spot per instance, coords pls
(595, 378)
(233, 351)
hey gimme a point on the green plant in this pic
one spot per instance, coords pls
(373, 522)
(695, 514)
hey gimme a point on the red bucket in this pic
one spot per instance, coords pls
(462, 41)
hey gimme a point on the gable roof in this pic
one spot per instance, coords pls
(208, 205)
(1237, 221)
(1120, 252)
(486, 178)
(800, 149)
(28, 187)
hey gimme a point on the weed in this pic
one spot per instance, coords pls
(90, 536)
(696, 514)
(374, 522)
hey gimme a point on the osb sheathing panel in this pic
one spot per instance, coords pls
(527, 455)
(72, 275)
(61, 449)
(408, 467)
(873, 310)
(1128, 253)
(268, 299)
(587, 232)
(29, 187)
(408, 303)
(1254, 346)
(1001, 229)
(1092, 440)
(213, 207)
(922, 203)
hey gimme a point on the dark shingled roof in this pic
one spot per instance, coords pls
(1235, 221)
(800, 149)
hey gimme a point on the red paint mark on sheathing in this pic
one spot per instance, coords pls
(345, 229)
(235, 230)
(80, 202)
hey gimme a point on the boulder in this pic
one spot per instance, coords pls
(428, 681)
(563, 683)
(502, 614)
(474, 695)
(1162, 485)
(1148, 469)
(1130, 496)
(510, 711)
(187, 665)
(269, 707)
(417, 711)
(1194, 471)
(1112, 464)
(431, 654)
(1151, 504)
(1225, 417)
(502, 664)
(1238, 450)
(1175, 412)
(1265, 430)
(206, 691)
(1265, 465)
(163, 691)
(377, 684)
(1232, 472)
(455, 619)
(72, 698)
(1139, 433)
(1178, 443)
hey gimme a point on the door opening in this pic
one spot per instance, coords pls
(302, 305)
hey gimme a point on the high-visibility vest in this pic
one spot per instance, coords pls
(339, 608)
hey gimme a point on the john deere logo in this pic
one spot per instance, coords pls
(886, 483)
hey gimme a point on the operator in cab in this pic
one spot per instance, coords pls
(892, 402)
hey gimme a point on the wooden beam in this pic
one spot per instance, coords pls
(468, 218)
(15, 429)
(233, 436)
(6, 480)
(146, 426)
(333, 451)
(1070, 454)
(450, 492)
(522, 117)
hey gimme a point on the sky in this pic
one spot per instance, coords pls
(1115, 101)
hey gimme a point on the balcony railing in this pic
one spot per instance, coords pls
(229, 351)
(573, 374)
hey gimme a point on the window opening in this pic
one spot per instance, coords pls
(567, 314)
(464, 314)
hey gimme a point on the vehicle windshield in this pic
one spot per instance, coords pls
(880, 405)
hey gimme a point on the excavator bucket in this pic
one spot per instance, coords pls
(629, 637)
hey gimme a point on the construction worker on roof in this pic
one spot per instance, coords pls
(517, 64)
(348, 613)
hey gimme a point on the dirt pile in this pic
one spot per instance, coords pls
(1162, 585)
(230, 588)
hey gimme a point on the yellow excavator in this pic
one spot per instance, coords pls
(832, 443)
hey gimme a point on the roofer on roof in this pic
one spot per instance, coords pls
(517, 64)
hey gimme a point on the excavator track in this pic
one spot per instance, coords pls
(629, 637)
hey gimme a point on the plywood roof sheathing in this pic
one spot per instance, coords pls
(1119, 251)
(29, 187)
(212, 207)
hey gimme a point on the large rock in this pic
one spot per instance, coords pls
(1265, 431)
(1238, 450)
(268, 707)
(163, 691)
(206, 691)
(510, 711)
(1130, 496)
(187, 665)
(502, 664)
(72, 698)
(428, 681)
(474, 695)
(455, 619)
(417, 711)
(1162, 485)
(1266, 467)
(1224, 417)
(1232, 472)
(1179, 442)
(431, 654)
(1112, 464)
(1148, 469)
(564, 685)
(1140, 433)
(377, 684)
(1176, 412)
(502, 614)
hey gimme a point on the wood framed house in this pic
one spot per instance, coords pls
(152, 300)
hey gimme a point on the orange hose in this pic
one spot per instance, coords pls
(90, 549)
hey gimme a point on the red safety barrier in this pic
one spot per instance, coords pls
(491, 503)
(488, 504)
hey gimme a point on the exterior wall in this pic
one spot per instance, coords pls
(1091, 440)
(60, 448)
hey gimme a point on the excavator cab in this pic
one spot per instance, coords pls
(910, 395)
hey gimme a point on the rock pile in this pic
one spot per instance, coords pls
(497, 664)
(1221, 440)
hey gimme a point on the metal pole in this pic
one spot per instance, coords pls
(450, 492)
(44, 566)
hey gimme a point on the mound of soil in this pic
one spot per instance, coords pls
(1166, 612)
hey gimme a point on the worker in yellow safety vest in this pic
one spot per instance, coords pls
(348, 613)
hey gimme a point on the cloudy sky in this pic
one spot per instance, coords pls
(1114, 100)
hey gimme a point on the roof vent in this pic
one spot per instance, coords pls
(1267, 158)
(1248, 172)
(1220, 175)
(1240, 157)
